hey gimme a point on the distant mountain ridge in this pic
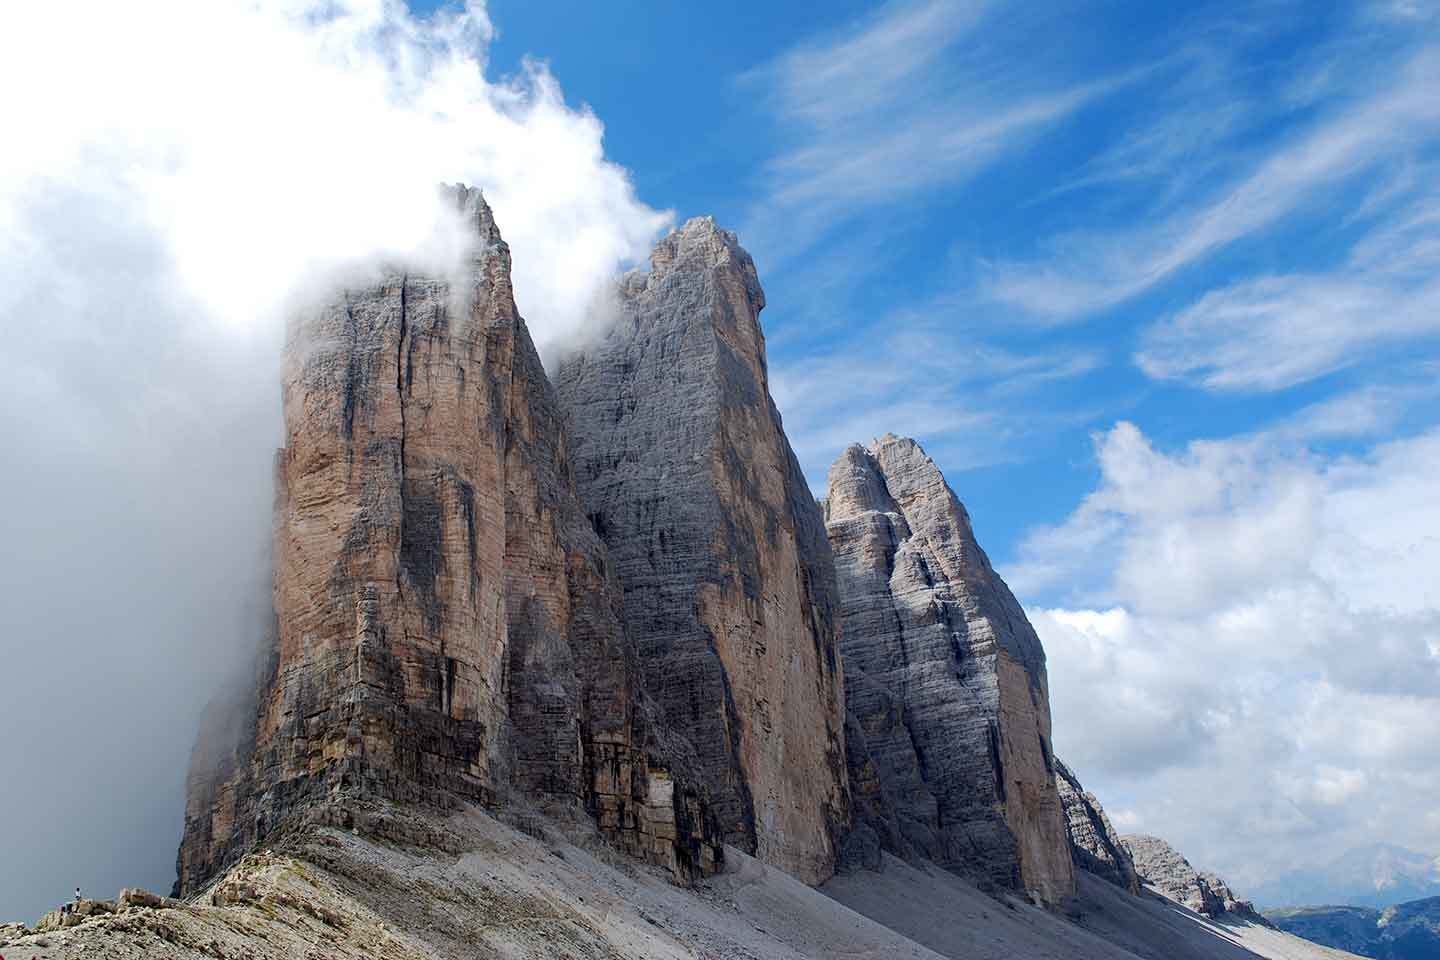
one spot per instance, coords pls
(1407, 931)
(1378, 876)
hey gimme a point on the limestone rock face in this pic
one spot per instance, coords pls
(447, 623)
(681, 460)
(945, 682)
(1096, 845)
(1162, 867)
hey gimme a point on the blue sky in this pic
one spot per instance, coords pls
(920, 183)
(1156, 285)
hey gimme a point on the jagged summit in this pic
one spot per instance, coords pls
(1165, 870)
(729, 585)
(475, 213)
(949, 718)
(698, 245)
(447, 621)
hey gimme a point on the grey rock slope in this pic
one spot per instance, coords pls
(949, 717)
(447, 625)
(371, 881)
(1096, 845)
(729, 589)
(1406, 931)
(1162, 867)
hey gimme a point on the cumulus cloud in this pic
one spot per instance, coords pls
(174, 173)
(1248, 656)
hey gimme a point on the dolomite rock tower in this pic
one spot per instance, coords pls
(447, 624)
(949, 717)
(729, 585)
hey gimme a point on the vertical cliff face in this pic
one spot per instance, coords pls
(946, 686)
(729, 588)
(1096, 845)
(446, 621)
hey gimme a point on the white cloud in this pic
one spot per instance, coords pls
(920, 374)
(172, 172)
(1275, 332)
(263, 142)
(887, 110)
(1248, 659)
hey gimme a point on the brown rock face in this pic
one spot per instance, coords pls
(446, 621)
(949, 717)
(729, 586)
(1096, 844)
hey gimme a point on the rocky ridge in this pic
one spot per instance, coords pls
(948, 725)
(1405, 931)
(357, 879)
(1096, 845)
(729, 587)
(1161, 867)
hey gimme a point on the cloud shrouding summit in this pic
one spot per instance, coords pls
(259, 142)
(175, 173)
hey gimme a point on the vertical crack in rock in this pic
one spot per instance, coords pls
(400, 407)
(949, 714)
(728, 582)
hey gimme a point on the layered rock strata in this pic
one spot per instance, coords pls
(1093, 840)
(729, 588)
(447, 624)
(1161, 866)
(949, 730)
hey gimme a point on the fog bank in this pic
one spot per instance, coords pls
(179, 172)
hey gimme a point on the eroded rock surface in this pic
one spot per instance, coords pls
(1096, 845)
(729, 588)
(381, 881)
(447, 624)
(1163, 868)
(946, 688)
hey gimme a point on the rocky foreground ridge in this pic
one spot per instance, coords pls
(608, 611)
(358, 879)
